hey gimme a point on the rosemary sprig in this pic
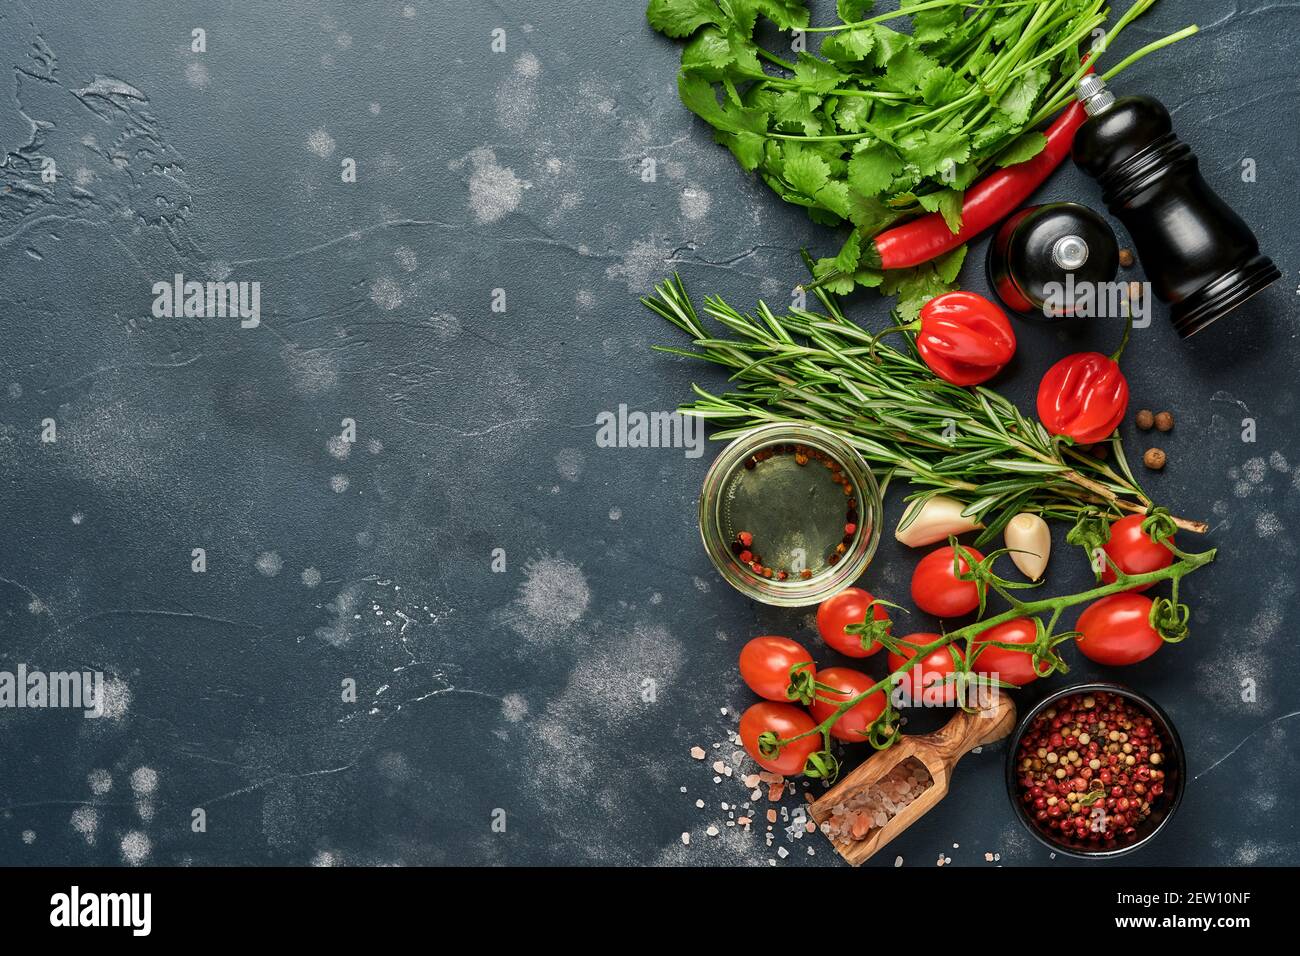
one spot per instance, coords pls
(822, 369)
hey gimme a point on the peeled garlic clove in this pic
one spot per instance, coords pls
(1030, 543)
(938, 518)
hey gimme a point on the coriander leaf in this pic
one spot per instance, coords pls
(942, 86)
(931, 26)
(816, 74)
(933, 150)
(873, 168)
(786, 14)
(698, 96)
(849, 46)
(869, 214)
(1018, 101)
(993, 129)
(852, 11)
(849, 255)
(914, 288)
(851, 113)
(906, 69)
(1024, 147)
(805, 172)
(681, 18)
(948, 265)
(947, 202)
(1006, 27)
(746, 147)
(835, 197)
(888, 43)
(795, 109)
(712, 53)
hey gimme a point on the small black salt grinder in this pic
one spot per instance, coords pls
(1049, 261)
(1198, 254)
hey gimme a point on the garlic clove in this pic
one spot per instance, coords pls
(939, 517)
(1030, 543)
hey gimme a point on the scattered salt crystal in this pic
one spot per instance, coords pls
(988, 857)
(697, 753)
(686, 839)
(751, 781)
(723, 804)
(717, 780)
(977, 750)
(683, 789)
(719, 766)
(956, 846)
(756, 795)
(700, 804)
(898, 861)
(771, 816)
(782, 852)
(744, 821)
(724, 711)
(712, 831)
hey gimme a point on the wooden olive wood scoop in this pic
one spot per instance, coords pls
(938, 751)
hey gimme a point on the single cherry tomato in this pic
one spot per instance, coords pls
(1014, 667)
(766, 662)
(850, 606)
(857, 720)
(1134, 553)
(1117, 630)
(932, 670)
(786, 721)
(936, 590)
(964, 338)
(1083, 396)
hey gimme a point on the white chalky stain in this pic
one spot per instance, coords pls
(85, 820)
(386, 293)
(494, 190)
(311, 577)
(269, 563)
(100, 781)
(144, 781)
(514, 708)
(136, 848)
(553, 596)
(321, 143)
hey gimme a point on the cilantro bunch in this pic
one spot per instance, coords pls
(885, 123)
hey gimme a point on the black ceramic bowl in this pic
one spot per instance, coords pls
(1175, 774)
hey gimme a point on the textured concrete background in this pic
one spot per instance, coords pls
(479, 690)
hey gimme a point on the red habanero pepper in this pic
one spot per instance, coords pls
(985, 204)
(964, 338)
(1083, 396)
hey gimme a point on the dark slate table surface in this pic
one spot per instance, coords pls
(517, 694)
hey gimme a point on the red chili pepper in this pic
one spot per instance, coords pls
(985, 204)
(964, 338)
(1083, 396)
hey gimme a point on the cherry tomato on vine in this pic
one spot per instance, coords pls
(964, 338)
(784, 720)
(1134, 553)
(1083, 396)
(766, 662)
(933, 669)
(936, 590)
(1117, 630)
(853, 726)
(848, 607)
(1014, 667)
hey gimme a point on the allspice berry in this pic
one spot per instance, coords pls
(1165, 421)
(1154, 459)
(1126, 258)
(1145, 419)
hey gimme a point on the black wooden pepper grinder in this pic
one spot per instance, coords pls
(1198, 254)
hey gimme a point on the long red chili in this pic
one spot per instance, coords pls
(985, 204)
